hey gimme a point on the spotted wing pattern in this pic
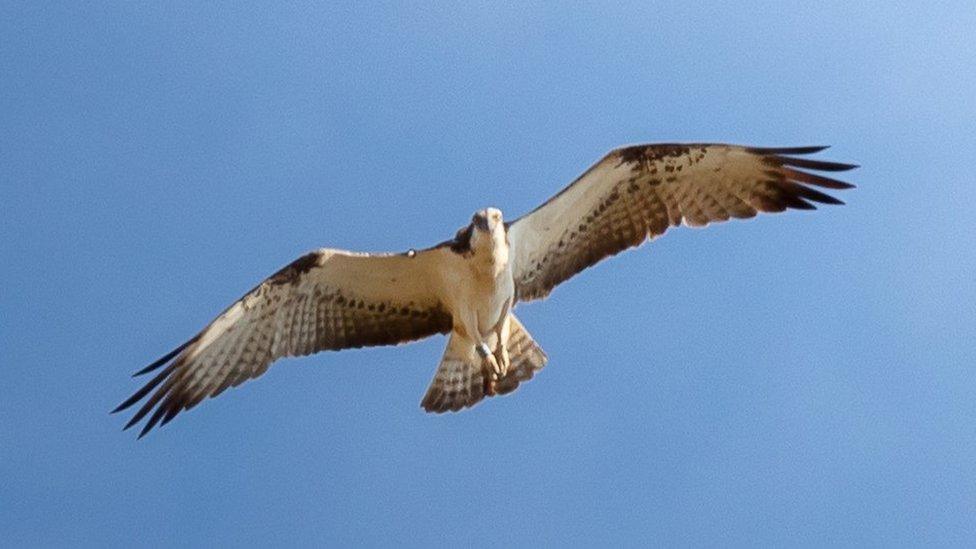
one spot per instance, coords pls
(326, 300)
(638, 192)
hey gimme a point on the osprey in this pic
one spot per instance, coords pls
(468, 286)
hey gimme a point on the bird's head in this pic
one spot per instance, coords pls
(489, 238)
(488, 221)
(487, 230)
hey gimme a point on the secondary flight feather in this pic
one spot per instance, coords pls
(468, 286)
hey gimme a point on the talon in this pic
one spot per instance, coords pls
(489, 386)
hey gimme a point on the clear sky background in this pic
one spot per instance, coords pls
(798, 379)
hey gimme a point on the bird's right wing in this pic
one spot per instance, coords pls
(325, 300)
(638, 192)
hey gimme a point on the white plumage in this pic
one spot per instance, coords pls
(467, 286)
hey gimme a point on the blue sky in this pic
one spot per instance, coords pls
(801, 379)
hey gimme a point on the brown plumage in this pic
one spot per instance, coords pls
(333, 299)
(325, 300)
(636, 193)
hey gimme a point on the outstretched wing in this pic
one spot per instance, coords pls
(325, 300)
(635, 193)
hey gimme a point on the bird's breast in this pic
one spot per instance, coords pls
(475, 287)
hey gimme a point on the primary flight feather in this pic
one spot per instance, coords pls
(467, 286)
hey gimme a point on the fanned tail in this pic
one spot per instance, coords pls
(459, 381)
(526, 356)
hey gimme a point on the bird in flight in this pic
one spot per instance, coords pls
(468, 286)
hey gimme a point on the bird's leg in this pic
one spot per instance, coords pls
(491, 370)
(501, 331)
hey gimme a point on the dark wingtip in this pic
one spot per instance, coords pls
(167, 406)
(145, 430)
(157, 415)
(819, 165)
(142, 392)
(789, 150)
(166, 358)
(814, 179)
(171, 412)
(147, 369)
(131, 422)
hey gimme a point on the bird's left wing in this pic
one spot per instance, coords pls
(635, 193)
(325, 300)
